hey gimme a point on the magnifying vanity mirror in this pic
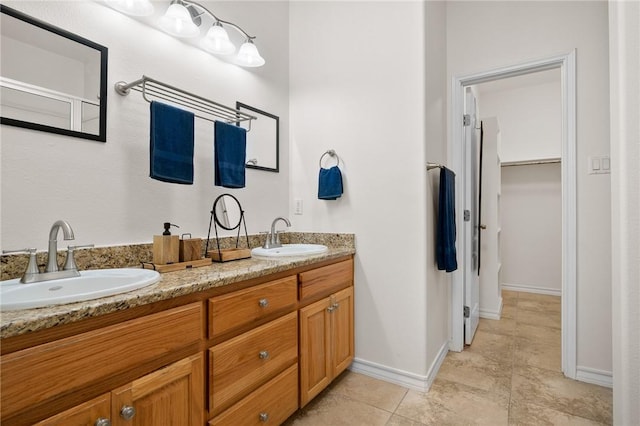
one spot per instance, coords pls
(50, 79)
(227, 213)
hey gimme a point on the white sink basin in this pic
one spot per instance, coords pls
(290, 250)
(89, 285)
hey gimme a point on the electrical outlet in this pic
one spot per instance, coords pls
(297, 209)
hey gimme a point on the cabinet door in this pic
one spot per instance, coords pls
(86, 414)
(170, 396)
(315, 349)
(342, 330)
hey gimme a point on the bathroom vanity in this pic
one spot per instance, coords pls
(243, 343)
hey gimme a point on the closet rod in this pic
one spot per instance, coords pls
(530, 162)
(157, 89)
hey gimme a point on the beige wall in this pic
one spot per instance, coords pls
(358, 90)
(103, 189)
(482, 36)
(531, 240)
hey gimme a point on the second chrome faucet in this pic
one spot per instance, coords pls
(273, 237)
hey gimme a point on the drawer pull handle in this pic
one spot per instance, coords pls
(102, 422)
(264, 354)
(263, 303)
(264, 417)
(127, 412)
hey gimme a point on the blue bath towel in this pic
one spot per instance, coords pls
(171, 144)
(230, 155)
(330, 183)
(446, 239)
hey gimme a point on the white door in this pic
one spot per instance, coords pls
(471, 228)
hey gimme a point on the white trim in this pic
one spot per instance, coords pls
(400, 377)
(490, 314)
(532, 289)
(596, 377)
(567, 65)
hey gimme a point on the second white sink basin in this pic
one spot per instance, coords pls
(89, 285)
(290, 250)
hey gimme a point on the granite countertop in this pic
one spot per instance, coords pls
(171, 284)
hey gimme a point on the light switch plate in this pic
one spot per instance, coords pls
(297, 209)
(599, 165)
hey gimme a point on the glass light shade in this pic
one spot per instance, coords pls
(217, 41)
(248, 55)
(177, 22)
(132, 7)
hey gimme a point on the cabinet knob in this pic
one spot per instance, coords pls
(331, 308)
(263, 303)
(263, 354)
(127, 412)
(335, 305)
(102, 422)
(264, 417)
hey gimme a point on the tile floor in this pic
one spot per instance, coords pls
(510, 375)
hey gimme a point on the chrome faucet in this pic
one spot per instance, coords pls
(52, 272)
(52, 260)
(273, 237)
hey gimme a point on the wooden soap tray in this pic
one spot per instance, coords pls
(169, 267)
(225, 255)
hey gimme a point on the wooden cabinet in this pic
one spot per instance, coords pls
(96, 412)
(326, 342)
(253, 375)
(172, 395)
(236, 356)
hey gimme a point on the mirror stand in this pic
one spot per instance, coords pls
(226, 209)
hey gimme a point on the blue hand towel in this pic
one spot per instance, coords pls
(330, 183)
(171, 144)
(446, 239)
(230, 152)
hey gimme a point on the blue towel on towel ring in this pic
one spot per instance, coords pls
(230, 155)
(330, 183)
(171, 144)
(446, 229)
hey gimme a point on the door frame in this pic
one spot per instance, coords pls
(567, 65)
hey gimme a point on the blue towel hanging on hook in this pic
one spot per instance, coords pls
(446, 229)
(330, 183)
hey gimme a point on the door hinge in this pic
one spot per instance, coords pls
(466, 312)
(466, 120)
(467, 215)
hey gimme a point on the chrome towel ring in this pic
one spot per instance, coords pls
(331, 153)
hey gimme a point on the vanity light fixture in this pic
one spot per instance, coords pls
(183, 19)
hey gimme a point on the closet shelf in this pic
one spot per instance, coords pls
(201, 107)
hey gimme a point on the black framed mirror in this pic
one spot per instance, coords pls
(263, 139)
(227, 212)
(51, 80)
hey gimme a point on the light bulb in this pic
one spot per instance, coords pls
(177, 22)
(248, 55)
(217, 41)
(132, 7)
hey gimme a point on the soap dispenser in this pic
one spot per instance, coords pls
(166, 247)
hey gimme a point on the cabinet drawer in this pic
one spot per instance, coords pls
(323, 281)
(243, 307)
(273, 403)
(240, 365)
(33, 375)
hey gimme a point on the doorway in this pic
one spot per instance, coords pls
(463, 277)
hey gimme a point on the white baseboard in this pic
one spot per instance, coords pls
(596, 377)
(532, 289)
(400, 377)
(489, 314)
